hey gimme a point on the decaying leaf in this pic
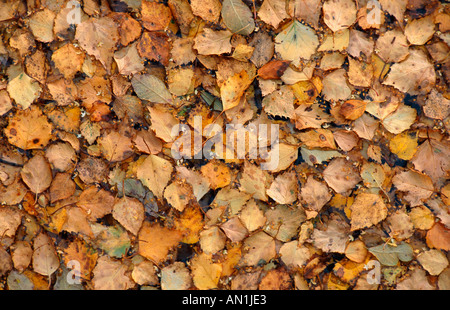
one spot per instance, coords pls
(224, 144)
(367, 210)
(155, 241)
(296, 42)
(37, 174)
(98, 38)
(237, 17)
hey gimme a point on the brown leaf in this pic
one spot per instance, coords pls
(98, 37)
(273, 69)
(110, 274)
(334, 237)
(273, 12)
(418, 187)
(62, 187)
(415, 75)
(129, 212)
(284, 188)
(438, 237)
(154, 46)
(314, 194)
(45, 259)
(432, 158)
(10, 219)
(210, 42)
(208, 10)
(96, 202)
(339, 14)
(68, 60)
(115, 146)
(24, 90)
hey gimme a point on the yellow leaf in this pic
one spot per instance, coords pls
(205, 273)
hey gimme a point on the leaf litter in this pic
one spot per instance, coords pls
(359, 94)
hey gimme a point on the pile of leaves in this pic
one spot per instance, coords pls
(89, 95)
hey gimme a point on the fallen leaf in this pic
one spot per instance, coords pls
(306, 10)
(163, 122)
(212, 240)
(433, 261)
(334, 237)
(115, 146)
(155, 241)
(45, 259)
(340, 175)
(294, 255)
(404, 145)
(129, 212)
(392, 46)
(155, 173)
(208, 10)
(234, 229)
(113, 240)
(284, 188)
(389, 255)
(273, 69)
(155, 16)
(233, 89)
(273, 12)
(149, 87)
(210, 42)
(68, 60)
(24, 90)
(437, 236)
(96, 202)
(367, 210)
(205, 273)
(37, 174)
(335, 86)
(110, 274)
(10, 219)
(432, 158)
(283, 221)
(418, 187)
(98, 37)
(314, 194)
(237, 17)
(356, 251)
(420, 31)
(296, 42)
(176, 276)
(260, 248)
(339, 14)
(415, 75)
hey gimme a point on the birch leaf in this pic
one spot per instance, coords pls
(237, 17)
(296, 42)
